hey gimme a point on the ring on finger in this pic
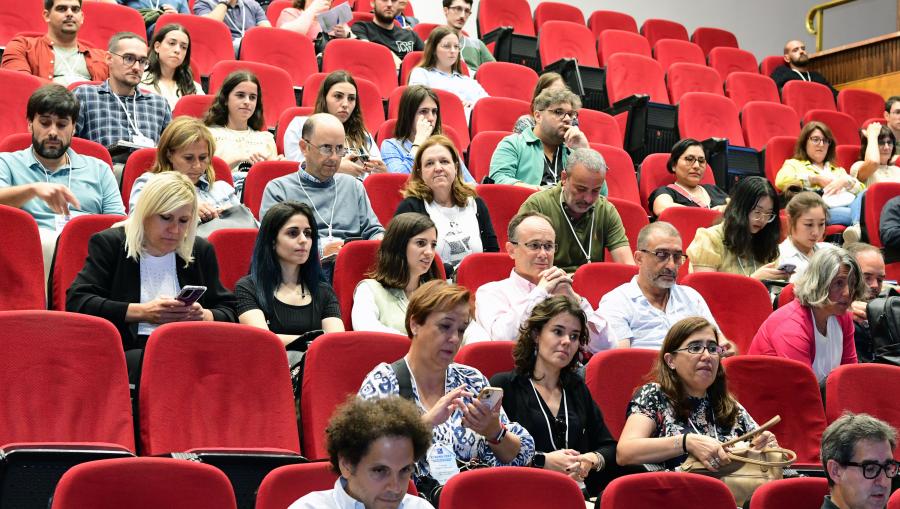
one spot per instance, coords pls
(714, 463)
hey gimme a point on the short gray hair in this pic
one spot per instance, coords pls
(550, 97)
(857, 248)
(812, 287)
(114, 41)
(517, 220)
(840, 437)
(589, 158)
(662, 227)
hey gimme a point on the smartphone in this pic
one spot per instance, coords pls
(190, 294)
(787, 267)
(491, 396)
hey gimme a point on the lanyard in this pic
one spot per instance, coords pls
(684, 192)
(547, 419)
(229, 21)
(132, 123)
(311, 202)
(552, 170)
(804, 78)
(587, 254)
(47, 172)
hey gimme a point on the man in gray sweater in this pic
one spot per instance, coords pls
(339, 201)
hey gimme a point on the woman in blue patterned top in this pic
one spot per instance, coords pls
(464, 429)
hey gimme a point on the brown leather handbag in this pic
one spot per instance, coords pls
(749, 468)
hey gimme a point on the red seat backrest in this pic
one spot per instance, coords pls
(654, 175)
(556, 11)
(22, 268)
(860, 104)
(384, 190)
(17, 88)
(777, 150)
(799, 492)
(612, 376)
(281, 48)
(481, 150)
(353, 262)
(702, 115)
(594, 280)
(212, 39)
(363, 59)
(614, 41)
(285, 485)
(743, 87)
(687, 220)
(728, 60)
(770, 63)
(234, 249)
(259, 176)
(761, 121)
(285, 120)
(633, 218)
(599, 127)
(654, 489)
(842, 125)
(19, 141)
(806, 95)
(535, 487)
(683, 78)
(193, 106)
(876, 197)
(103, 20)
(656, 29)
(477, 269)
(71, 252)
(621, 180)
(670, 51)
(628, 74)
(721, 290)
(504, 13)
(565, 39)
(503, 202)
(606, 20)
(16, 18)
(276, 85)
(368, 98)
(489, 357)
(848, 388)
(273, 11)
(709, 38)
(497, 114)
(505, 79)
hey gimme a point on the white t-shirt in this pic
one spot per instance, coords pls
(829, 348)
(458, 231)
(158, 279)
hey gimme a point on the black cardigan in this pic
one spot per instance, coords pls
(109, 281)
(485, 227)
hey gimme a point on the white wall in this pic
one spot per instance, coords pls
(761, 26)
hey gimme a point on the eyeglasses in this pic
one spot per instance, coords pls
(459, 9)
(663, 256)
(561, 113)
(818, 140)
(129, 60)
(758, 215)
(329, 150)
(535, 246)
(690, 160)
(449, 46)
(698, 348)
(871, 469)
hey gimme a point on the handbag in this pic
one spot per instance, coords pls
(749, 468)
(236, 216)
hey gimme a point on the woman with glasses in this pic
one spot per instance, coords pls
(807, 215)
(405, 260)
(746, 241)
(687, 162)
(816, 328)
(441, 68)
(547, 396)
(877, 155)
(688, 408)
(418, 118)
(813, 169)
(169, 74)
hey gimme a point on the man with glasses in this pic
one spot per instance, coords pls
(382, 30)
(473, 51)
(115, 113)
(586, 223)
(641, 311)
(871, 264)
(858, 456)
(58, 55)
(501, 307)
(536, 157)
(318, 184)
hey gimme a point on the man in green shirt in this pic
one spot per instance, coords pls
(584, 221)
(473, 51)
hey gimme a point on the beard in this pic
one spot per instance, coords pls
(41, 149)
(383, 18)
(801, 61)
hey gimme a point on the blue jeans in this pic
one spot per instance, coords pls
(848, 215)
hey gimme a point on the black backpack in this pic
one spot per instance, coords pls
(884, 327)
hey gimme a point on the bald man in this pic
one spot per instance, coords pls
(796, 62)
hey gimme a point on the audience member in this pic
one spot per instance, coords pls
(891, 114)
(440, 68)
(688, 408)
(889, 230)
(473, 51)
(59, 55)
(407, 22)
(746, 241)
(383, 31)
(551, 80)
(503, 306)
(169, 73)
(687, 162)
(298, 18)
(186, 146)
(641, 311)
(135, 270)
(813, 168)
(374, 447)
(116, 114)
(537, 157)
(418, 118)
(435, 188)
(585, 222)
(871, 264)
(877, 154)
(404, 262)
(816, 327)
(806, 215)
(796, 67)
(317, 184)
(236, 120)
(339, 96)
(547, 396)
(463, 426)
(151, 10)
(856, 450)
(238, 15)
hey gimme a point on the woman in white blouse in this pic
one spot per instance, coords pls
(440, 68)
(169, 74)
(807, 215)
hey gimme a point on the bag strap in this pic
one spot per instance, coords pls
(746, 436)
(789, 458)
(404, 379)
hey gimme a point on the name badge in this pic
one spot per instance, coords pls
(60, 221)
(442, 462)
(143, 141)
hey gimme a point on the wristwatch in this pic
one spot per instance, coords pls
(538, 460)
(500, 436)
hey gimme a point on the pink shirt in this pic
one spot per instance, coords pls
(291, 13)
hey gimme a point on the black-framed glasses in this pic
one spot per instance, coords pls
(697, 349)
(690, 160)
(536, 246)
(562, 114)
(819, 140)
(328, 150)
(129, 60)
(871, 469)
(663, 256)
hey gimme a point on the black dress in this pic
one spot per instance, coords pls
(286, 318)
(716, 196)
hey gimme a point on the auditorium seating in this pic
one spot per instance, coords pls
(633, 219)
(281, 48)
(489, 357)
(493, 14)
(529, 488)
(606, 20)
(564, 39)
(777, 150)
(744, 87)
(594, 280)
(761, 121)
(876, 197)
(796, 493)
(350, 267)
(656, 29)
(505, 79)
(842, 126)
(503, 202)
(143, 160)
(807, 95)
(17, 88)
(728, 60)
(709, 38)
(21, 269)
(614, 41)
(670, 51)
(682, 78)
(16, 18)
(860, 104)
(103, 20)
(655, 174)
(368, 98)
(655, 489)
(284, 120)
(702, 115)
(193, 106)
(234, 249)
(621, 181)
(212, 39)
(273, 11)
(612, 377)
(721, 291)
(849, 388)
(19, 141)
(259, 176)
(384, 191)
(362, 59)
(477, 269)
(481, 150)
(497, 114)
(687, 220)
(556, 11)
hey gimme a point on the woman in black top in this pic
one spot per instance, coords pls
(283, 292)
(688, 163)
(546, 396)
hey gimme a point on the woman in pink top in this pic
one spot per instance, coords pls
(816, 327)
(302, 18)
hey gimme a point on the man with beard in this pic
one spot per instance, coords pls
(115, 113)
(858, 455)
(383, 31)
(473, 51)
(797, 61)
(585, 222)
(57, 55)
(641, 311)
(871, 265)
(49, 180)
(536, 157)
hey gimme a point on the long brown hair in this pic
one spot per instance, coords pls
(416, 187)
(410, 101)
(391, 266)
(429, 56)
(354, 127)
(525, 350)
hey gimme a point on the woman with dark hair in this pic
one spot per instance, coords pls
(418, 118)
(440, 67)
(547, 396)
(551, 80)
(813, 169)
(338, 96)
(687, 162)
(236, 120)
(877, 154)
(405, 261)
(807, 215)
(688, 407)
(284, 292)
(746, 241)
(301, 17)
(436, 189)
(169, 74)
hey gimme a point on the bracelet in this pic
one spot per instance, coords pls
(684, 443)
(600, 462)
(500, 436)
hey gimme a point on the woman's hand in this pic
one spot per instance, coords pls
(424, 128)
(708, 450)
(340, 31)
(482, 419)
(764, 439)
(352, 167)
(257, 157)
(207, 212)
(770, 272)
(821, 180)
(445, 406)
(583, 467)
(375, 166)
(563, 460)
(165, 310)
(836, 186)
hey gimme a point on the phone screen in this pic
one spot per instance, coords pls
(190, 294)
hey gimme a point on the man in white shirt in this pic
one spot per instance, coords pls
(502, 306)
(374, 446)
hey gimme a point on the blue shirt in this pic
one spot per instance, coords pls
(90, 180)
(106, 119)
(180, 5)
(245, 15)
(398, 159)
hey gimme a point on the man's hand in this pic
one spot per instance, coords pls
(574, 138)
(57, 196)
